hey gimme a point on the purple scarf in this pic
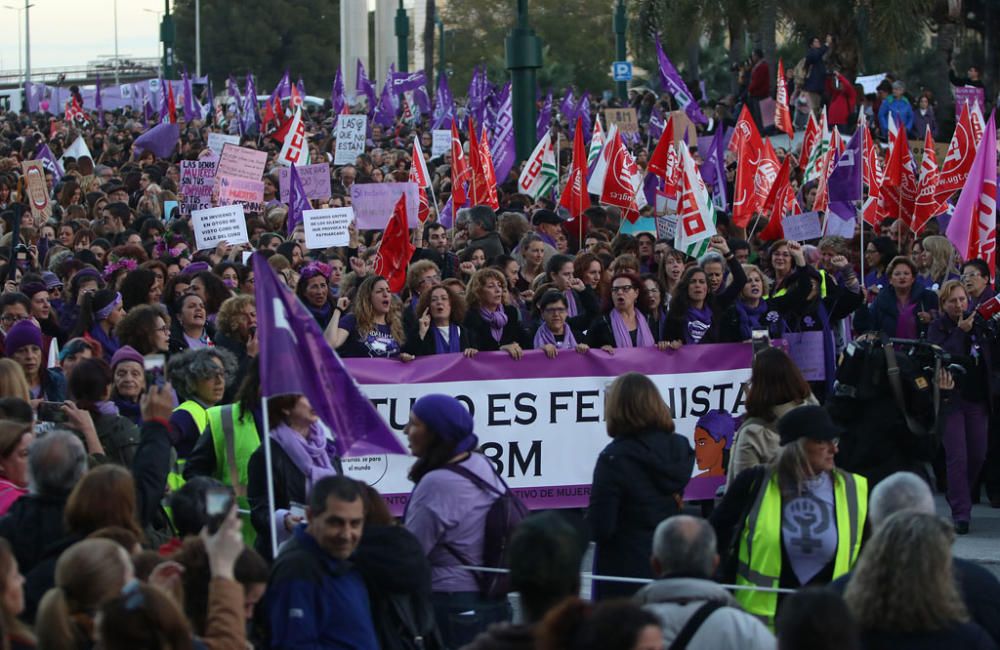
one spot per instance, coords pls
(698, 322)
(643, 337)
(497, 320)
(544, 336)
(751, 318)
(311, 455)
(453, 344)
(571, 310)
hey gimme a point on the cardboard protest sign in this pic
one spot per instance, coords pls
(327, 227)
(624, 118)
(239, 162)
(218, 140)
(242, 191)
(441, 142)
(315, 180)
(350, 135)
(374, 202)
(216, 225)
(197, 179)
(37, 190)
(666, 227)
(802, 227)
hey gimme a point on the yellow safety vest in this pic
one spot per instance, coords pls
(198, 413)
(822, 287)
(760, 543)
(235, 438)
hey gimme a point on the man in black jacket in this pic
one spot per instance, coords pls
(436, 250)
(979, 588)
(56, 461)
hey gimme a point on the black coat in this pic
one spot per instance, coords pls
(289, 485)
(33, 522)
(638, 482)
(422, 347)
(482, 339)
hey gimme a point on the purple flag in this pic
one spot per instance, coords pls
(713, 167)
(189, 110)
(422, 101)
(250, 120)
(297, 201)
(976, 209)
(568, 107)
(447, 216)
(385, 113)
(164, 109)
(44, 154)
(544, 118)
(478, 94)
(365, 86)
(650, 185)
(502, 145)
(444, 105)
(232, 90)
(301, 87)
(656, 123)
(673, 83)
(403, 82)
(98, 104)
(845, 179)
(583, 114)
(161, 140)
(295, 359)
(337, 94)
(147, 111)
(284, 88)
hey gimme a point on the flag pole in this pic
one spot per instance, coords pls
(270, 476)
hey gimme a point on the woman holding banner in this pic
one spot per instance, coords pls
(439, 329)
(555, 331)
(493, 325)
(375, 329)
(625, 326)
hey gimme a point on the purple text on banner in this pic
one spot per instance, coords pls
(315, 181)
(970, 94)
(544, 436)
(373, 203)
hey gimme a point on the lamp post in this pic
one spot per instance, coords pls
(27, 44)
(167, 36)
(524, 58)
(620, 23)
(197, 38)
(402, 32)
(117, 80)
(441, 43)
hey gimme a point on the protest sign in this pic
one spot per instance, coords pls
(441, 142)
(239, 162)
(624, 118)
(666, 227)
(869, 82)
(243, 191)
(374, 202)
(542, 421)
(197, 179)
(350, 136)
(218, 140)
(171, 211)
(802, 227)
(213, 226)
(37, 190)
(327, 227)
(971, 94)
(315, 180)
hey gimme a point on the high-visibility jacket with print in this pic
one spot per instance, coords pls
(199, 414)
(235, 438)
(760, 542)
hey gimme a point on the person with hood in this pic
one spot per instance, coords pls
(638, 481)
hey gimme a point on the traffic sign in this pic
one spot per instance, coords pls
(621, 70)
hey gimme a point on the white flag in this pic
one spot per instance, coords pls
(596, 183)
(539, 175)
(295, 151)
(77, 150)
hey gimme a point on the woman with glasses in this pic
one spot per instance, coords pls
(145, 328)
(200, 378)
(581, 302)
(555, 333)
(439, 329)
(625, 325)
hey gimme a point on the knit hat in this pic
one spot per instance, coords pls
(23, 333)
(126, 353)
(447, 418)
(809, 421)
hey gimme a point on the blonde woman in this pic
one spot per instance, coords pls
(939, 260)
(12, 380)
(374, 329)
(903, 592)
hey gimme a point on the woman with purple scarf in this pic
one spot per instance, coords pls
(99, 314)
(301, 454)
(625, 326)
(439, 330)
(555, 332)
(582, 306)
(492, 325)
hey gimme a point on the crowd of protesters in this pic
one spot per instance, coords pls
(112, 534)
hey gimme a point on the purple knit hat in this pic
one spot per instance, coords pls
(126, 353)
(23, 333)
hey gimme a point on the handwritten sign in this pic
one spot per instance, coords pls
(218, 140)
(625, 118)
(315, 180)
(807, 351)
(242, 191)
(970, 94)
(239, 162)
(197, 179)
(374, 202)
(327, 227)
(441, 142)
(38, 191)
(213, 226)
(802, 227)
(666, 227)
(350, 135)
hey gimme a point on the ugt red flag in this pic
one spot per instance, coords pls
(618, 188)
(574, 196)
(419, 175)
(459, 170)
(782, 114)
(489, 177)
(395, 249)
(973, 226)
(926, 205)
(958, 160)
(749, 150)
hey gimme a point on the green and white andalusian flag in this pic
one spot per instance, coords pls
(817, 157)
(696, 213)
(540, 174)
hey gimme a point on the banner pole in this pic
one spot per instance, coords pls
(266, 441)
(863, 251)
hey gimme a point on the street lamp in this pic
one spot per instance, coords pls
(27, 45)
(620, 24)
(402, 32)
(197, 38)
(117, 80)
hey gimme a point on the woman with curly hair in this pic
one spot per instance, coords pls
(200, 378)
(211, 289)
(374, 329)
(141, 287)
(439, 328)
(492, 325)
(145, 328)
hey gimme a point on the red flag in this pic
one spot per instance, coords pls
(899, 187)
(778, 187)
(782, 115)
(808, 141)
(574, 196)
(459, 170)
(658, 161)
(958, 160)
(171, 104)
(926, 205)
(395, 249)
(748, 154)
(488, 187)
(618, 189)
(822, 200)
(476, 192)
(774, 230)
(767, 172)
(419, 175)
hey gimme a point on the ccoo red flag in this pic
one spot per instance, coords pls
(395, 249)
(171, 104)
(420, 176)
(574, 196)
(782, 114)
(488, 186)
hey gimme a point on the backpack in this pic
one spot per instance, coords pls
(503, 517)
